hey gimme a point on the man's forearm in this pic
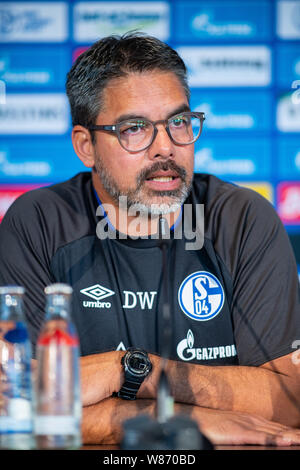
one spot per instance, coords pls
(263, 391)
(101, 375)
(103, 424)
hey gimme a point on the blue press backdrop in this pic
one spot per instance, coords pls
(243, 58)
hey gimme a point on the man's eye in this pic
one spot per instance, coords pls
(178, 122)
(133, 128)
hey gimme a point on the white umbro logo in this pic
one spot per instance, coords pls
(97, 292)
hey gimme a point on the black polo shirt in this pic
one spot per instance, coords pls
(235, 300)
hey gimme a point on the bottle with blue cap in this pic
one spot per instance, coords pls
(57, 416)
(15, 372)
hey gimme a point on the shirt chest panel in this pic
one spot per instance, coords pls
(118, 300)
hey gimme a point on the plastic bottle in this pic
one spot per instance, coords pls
(57, 417)
(15, 372)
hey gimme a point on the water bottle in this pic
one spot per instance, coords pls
(57, 416)
(15, 372)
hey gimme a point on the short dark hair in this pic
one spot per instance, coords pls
(114, 57)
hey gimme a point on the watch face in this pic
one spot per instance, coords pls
(138, 363)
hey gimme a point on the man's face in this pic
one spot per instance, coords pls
(155, 180)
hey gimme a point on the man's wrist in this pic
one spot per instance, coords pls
(148, 388)
(119, 372)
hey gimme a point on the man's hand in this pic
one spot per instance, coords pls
(234, 428)
(103, 424)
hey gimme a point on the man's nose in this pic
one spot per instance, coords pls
(162, 146)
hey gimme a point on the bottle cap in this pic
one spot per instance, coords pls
(58, 289)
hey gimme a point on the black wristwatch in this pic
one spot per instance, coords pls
(137, 366)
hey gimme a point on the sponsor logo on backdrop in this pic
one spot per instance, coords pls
(8, 194)
(296, 94)
(288, 19)
(288, 199)
(215, 120)
(205, 160)
(93, 20)
(20, 67)
(2, 92)
(23, 168)
(46, 113)
(26, 77)
(227, 65)
(209, 20)
(297, 160)
(33, 21)
(237, 110)
(37, 159)
(204, 24)
(287, 64)
(186, 350)
(234, 158)
(288, 114)
(288, 157)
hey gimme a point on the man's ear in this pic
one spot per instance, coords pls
(83, 146)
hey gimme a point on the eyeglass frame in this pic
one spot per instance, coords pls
(115, 128)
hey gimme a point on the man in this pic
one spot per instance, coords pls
(235, 299)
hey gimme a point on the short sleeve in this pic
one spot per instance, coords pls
(265, 303)
(24, 260)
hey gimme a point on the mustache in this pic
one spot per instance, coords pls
(158, 166)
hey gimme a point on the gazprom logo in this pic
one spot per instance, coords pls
(187, 352)
(201, 296)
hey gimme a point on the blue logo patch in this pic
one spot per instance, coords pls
(201, 296)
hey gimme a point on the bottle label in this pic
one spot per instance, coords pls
(11, 425)
(18, 418)
(55, 425)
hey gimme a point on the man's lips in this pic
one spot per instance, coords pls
(163, 175)
(164, 180)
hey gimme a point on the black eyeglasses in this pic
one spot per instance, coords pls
(138, 134)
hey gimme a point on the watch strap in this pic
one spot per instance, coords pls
(129, 390)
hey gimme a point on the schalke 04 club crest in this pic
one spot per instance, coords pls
(201, 296)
